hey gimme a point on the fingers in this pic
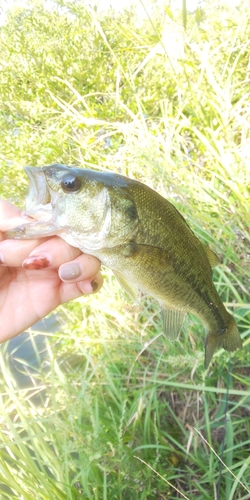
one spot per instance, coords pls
(32, 254)
(87, 287)
(52, 251)
(72, 291)
(47, 253)
(83, 267)
(13, 252)
(84, 271)
(37, 254)
(10, 216)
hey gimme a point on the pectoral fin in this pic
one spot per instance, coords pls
(172, 322)
(130, 289)
(148, 259)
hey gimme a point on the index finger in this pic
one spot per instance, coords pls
(15, 250)
(10, 216)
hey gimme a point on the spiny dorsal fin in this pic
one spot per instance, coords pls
(172, 322)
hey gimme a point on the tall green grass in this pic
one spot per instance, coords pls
(116, 411)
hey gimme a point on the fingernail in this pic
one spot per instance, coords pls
(94, 285)
(70, 271)
(37, 262)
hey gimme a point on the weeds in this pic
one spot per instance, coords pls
(113, 410)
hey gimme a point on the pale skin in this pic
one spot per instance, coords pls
(27, 295)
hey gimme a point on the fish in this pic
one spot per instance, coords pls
(140, 236)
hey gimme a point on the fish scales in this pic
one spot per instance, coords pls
(140, 236)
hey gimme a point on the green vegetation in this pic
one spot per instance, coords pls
(114, 412)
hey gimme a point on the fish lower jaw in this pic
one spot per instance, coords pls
(40, 212)
(92, 248)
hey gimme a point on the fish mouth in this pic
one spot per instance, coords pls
(38, 201)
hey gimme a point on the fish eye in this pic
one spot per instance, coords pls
(70, 183)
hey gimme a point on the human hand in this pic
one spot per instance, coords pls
(38, 275)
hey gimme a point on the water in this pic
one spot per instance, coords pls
(27, 353)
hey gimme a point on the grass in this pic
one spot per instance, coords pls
(114, 411)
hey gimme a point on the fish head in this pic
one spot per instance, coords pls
(87, 208)
(63, 194)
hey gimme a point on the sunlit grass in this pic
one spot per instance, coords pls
(111, 409)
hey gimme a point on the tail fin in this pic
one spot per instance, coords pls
(230, 341)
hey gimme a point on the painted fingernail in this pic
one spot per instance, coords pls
(37, 262)
(70, 271)
(94, 285)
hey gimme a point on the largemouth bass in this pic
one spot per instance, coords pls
(140, 236)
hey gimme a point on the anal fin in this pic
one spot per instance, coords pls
(172, 322)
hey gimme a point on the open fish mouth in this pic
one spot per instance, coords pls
(38, 201)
